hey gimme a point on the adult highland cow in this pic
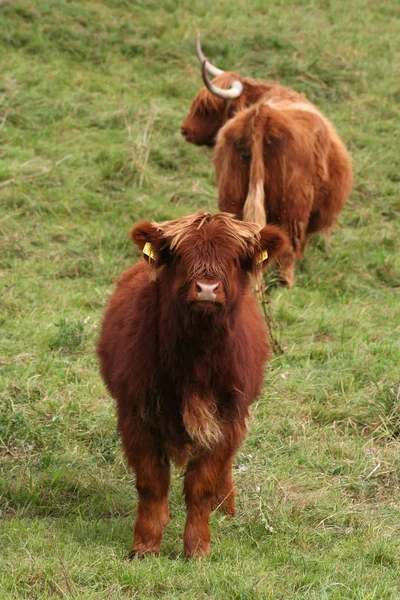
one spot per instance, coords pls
(182, 349)
(277, 158)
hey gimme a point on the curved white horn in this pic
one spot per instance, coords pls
(213, 70)
(234, 92)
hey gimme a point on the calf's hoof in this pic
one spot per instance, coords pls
(200, 549)
(140, 551)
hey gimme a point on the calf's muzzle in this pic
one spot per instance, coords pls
(207, 291)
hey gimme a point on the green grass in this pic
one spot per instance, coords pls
(92, 96)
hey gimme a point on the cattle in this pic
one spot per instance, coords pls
(277, 158)
(223, 97)
(182, 350)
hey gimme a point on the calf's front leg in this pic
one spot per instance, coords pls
(152, 483)
(152, 472)
(201, 487)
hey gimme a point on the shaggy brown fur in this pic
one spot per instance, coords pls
(283, 163)
(276, 157)
(208, 113)
(184, 370)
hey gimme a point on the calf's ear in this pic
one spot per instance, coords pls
(145, 233)
(150, 240)
(147, 238)
(273, 243)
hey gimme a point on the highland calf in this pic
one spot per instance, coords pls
(182, 350)
(277, 158)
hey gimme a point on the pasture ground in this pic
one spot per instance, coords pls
(92, 96)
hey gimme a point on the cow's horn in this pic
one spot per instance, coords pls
(234, 92)
(210, 68)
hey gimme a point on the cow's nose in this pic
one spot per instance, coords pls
(206, 291)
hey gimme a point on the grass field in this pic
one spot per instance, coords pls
(92, 96)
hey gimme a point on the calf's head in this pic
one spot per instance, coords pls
(203, 261)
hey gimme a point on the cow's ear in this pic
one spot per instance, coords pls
(153, 245)
(273, 243)
(145, 233)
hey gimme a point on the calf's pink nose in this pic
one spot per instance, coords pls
(206, 291)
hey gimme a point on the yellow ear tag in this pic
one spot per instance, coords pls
(148, 251)
(263, 256)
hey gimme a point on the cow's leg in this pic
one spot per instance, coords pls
(152, 472)
(286, 266)
(201, 483)
(152, 484)
(226, 491)
(297, 232)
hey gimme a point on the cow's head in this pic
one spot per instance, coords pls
(208, 112)
(203, 261)
(214, 104)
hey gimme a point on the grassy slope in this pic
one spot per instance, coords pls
(91, 99)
